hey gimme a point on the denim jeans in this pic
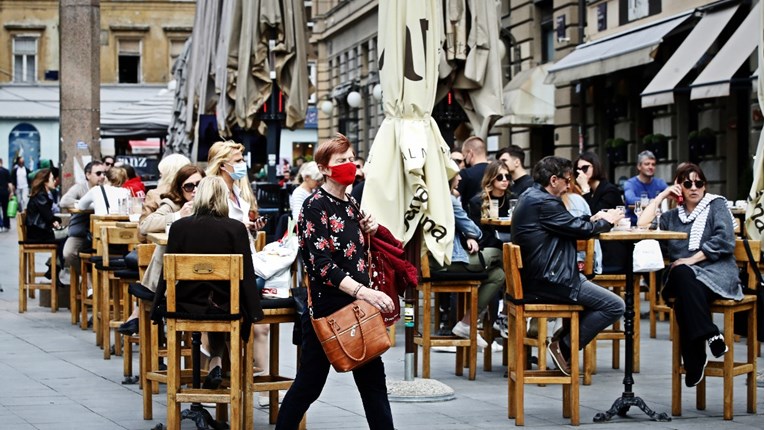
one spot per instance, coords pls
(602, 308)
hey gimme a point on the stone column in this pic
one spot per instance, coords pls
(80, 85)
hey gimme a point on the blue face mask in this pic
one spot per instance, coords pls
(240, 170)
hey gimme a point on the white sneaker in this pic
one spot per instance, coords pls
(463, 330)
(501, 325)
(496, 347)
(64, 277)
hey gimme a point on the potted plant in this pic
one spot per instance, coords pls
(702, 143)
(658, 144)
(617, 150)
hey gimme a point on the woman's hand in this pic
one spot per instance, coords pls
(186, 209)
(376, 298)
(368, 225)
(472, 246)
(689, 261)
(583, 181)
(674, 191)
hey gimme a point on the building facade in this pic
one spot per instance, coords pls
(590, 67)
(139, 40)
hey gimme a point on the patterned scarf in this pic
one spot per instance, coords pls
(699, 219)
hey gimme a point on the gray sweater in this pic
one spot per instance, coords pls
(719, 271)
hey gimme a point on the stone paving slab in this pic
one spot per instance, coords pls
(54, 377)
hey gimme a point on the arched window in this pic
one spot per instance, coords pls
(24, 141)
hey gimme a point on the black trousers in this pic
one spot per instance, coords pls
(4, 209)
(312, 375)
(692, 299)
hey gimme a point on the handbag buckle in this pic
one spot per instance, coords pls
(358, 311)
(353, 331)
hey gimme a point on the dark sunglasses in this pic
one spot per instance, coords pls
(99, 173)
(458, 160)
(108, 164)
(688, 184)
(190, 187)
(502, 177)
(584, 168)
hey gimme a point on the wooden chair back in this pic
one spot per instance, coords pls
(588, 247)
(512, 263)
(145, 252)
(21, 226)
(117, 236)
(260, 241)
(203, 267)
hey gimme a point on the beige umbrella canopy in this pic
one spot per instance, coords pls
(471, 60)
(231, 68)
(409, 162)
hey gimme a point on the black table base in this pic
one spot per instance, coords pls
(623, 404)
(628, 398)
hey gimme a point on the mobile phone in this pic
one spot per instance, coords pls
(261, 219)
(678, 199)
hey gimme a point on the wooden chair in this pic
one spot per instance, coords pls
(89, 264)
(658, 310)
(28, 274)
(727, 368)
(466, 287)
(111, 292)
(614, 334)
(199, 267)
(517, 374)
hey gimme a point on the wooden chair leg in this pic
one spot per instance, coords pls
(22, 281)
(728, 365)
(676, 369)
(574, 370)
(74, 299)
(752, 350)
(84, 295)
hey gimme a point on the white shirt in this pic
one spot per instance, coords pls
(21, 178)
(94, 199)
(296, 201)
(241, 211)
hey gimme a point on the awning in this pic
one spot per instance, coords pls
(149, 117)
(660, 90)
(620, 51)
(528, 100)
(148, 146)
(714, 80)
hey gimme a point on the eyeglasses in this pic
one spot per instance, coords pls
(190, 187)
(502, 177)
(584, 168)
(101, 173)
(688, 184)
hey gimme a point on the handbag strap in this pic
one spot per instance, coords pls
(752, 261)
(333, 327)
(106, 199)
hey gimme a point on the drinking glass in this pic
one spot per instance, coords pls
(135, 208)
(511, 206)
(493, 209)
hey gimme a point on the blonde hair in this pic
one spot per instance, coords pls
(169, 166)
(211, 197)
(219, 153)
(116, 176)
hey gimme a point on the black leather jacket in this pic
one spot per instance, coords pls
(547, 234)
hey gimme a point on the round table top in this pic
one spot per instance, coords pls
(638, 234)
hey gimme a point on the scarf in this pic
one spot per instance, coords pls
(699, 219)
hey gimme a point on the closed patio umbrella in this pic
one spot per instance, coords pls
(409, 161)
(471, 65)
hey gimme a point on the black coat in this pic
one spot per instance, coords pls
(606, 196)
(40, 218)
(547, 234)
(211, 235)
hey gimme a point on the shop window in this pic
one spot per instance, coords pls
(25, 59)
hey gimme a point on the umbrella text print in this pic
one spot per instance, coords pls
(429, 225)
(409, 72)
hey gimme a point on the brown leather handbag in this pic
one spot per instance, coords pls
(351, 336)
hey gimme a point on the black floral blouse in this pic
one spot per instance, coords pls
(332, 247)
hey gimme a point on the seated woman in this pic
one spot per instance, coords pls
(577, 206)
(465, 259)
(104, 199)
(175, 204)
(41, 220)
(495, 187)
(702, 266)
(209, 230)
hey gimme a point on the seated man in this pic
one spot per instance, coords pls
(79, 224)
(547, 234)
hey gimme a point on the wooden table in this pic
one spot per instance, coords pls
(110, 217)
(158, 238)
(79, 211)
(504, 222)
(628, 398)
(126, 224)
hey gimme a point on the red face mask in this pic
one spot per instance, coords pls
(344, 174)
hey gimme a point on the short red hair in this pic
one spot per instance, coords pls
(330, 147)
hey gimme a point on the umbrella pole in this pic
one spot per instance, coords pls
(273, 115)
(410, 390)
